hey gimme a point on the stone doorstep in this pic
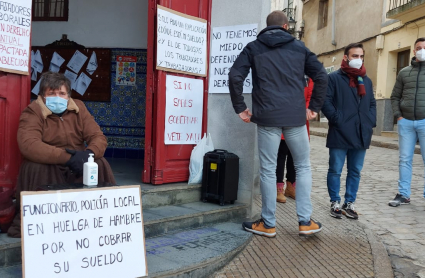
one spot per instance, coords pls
(193, 253)
(170, 194)
(157, 222)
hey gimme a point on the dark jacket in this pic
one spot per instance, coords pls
(351, 117)
(408, 96)
(278, 64)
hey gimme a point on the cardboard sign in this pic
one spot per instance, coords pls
(15, 34)
(183, 110)
(227, 43)
(83, 233)
(181, 43)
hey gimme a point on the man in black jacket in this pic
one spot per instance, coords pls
(278, 64)
(350, 107)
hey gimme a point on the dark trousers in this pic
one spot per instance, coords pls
(284, 155)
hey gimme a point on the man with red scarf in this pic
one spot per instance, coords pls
(350, 107)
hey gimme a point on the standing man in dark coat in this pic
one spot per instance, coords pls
(350, 107)
(278, 64)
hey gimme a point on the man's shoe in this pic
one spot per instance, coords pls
(280, 190)
(290, 190)
(349, 211)
(399, 200)
(336, 210)
(309, 228)
(260, 228)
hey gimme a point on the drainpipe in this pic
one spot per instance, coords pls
(333, 22)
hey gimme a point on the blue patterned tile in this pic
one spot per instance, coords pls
(127, 106)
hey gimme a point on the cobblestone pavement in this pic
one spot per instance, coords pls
(340, 250)
(401, 229)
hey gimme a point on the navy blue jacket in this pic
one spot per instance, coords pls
(351, 117)
(278, 64)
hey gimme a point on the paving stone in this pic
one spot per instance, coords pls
(378, 185)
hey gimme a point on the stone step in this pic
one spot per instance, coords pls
(193, 253)
(169, 194)
(158, 221)
(166, 219)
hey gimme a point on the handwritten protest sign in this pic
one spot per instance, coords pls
(183, 110)
(181, 43)
(15, 34)
(227, 43)
(83, 233)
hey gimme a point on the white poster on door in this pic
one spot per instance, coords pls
(15, 34)
(181, 43)
(183, 110)
(226, 44)
(83, 233)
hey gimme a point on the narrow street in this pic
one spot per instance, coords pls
(400, 228)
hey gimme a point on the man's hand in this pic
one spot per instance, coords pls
(310, 114)
(77, 160)
(399, 118)
(246, 115)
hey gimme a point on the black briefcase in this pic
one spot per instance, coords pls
(220, 177)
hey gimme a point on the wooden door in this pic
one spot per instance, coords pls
(167, 163)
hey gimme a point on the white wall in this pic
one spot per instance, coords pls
(98, 23)
(228, 131)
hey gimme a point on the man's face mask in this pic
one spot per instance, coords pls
(355, 63)
(56, 104)
(420, 54)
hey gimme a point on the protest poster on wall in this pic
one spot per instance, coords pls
(126, 70)
(183, 110)
(15, 34)
(83, 233)
(181, 43)
(227, 43)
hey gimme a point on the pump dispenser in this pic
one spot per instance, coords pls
(90, 171)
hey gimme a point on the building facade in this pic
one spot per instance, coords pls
(330, 25)
(403, 22)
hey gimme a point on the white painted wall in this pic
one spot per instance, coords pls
(228, 131)
(98, 23)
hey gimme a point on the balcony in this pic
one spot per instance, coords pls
(406, 10)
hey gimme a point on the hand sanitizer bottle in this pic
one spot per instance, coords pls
(90, 171)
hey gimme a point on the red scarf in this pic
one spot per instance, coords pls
(356, 77)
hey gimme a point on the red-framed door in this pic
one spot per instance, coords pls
(14, 97)
(167, 163)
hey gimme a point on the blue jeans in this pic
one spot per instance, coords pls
(268, 144)
(355, 159)
(408, 133)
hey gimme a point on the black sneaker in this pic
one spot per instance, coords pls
(349, 211)
(336, 210)
(399, 200)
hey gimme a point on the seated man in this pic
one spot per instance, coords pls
(52, 137)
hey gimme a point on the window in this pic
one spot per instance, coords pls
(323, 14)
(50, 10)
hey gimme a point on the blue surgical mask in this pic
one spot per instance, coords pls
(56, 104)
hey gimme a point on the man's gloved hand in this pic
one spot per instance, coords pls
(77, 160)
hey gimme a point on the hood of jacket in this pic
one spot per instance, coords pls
(416, 63)
(275, 36)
